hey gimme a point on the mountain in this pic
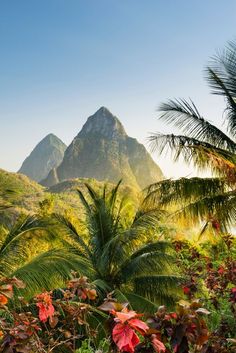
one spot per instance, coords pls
(47, 155)
(102, 150)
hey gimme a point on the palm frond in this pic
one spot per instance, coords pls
(158, 246)
(221, 207)
(102, 286)
(162, 290)
(24, 224)
(184, 190)
(49, 270)
(221, 85)
(84, 202)
(147, 263)
(114, 195)
(197, 199)
(150, 258)
(202, 154)
(186, 116)
(66, 226)
(141, 304)
(147, 217)
(221, 76)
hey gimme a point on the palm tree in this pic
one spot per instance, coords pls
(212, 199)
(116, 251)
(47, 268)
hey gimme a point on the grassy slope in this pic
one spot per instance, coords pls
(28, 194)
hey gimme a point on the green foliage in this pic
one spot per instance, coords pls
(209, 270)
(120, 248)
(88, 347)
(207, 147)
(40, 268)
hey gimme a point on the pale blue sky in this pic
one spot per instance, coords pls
(63, 59)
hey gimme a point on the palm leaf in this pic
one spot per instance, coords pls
(202, 154)
(221, 76)
(162, 290)
(49, 270)
(186, 116)
(141, 304)
(149, 263)
(221, 207)
(220, 86)
(184, 190)
(69, 229)
(24, 224)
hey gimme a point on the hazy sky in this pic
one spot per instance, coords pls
(61, 60)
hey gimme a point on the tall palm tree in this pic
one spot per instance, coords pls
(117, 251)
(212, 199)
(48, 268)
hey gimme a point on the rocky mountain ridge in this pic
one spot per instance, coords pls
(102, 150)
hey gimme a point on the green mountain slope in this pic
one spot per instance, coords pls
(46, 155)
(25, 193)
(30, 197)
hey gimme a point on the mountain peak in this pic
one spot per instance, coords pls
(50, 136)
(47, 154)
(102, 150)
(104, 110)
(104, 123)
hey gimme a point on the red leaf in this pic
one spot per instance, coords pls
(186, 290)
(124, 315)
(45, 311)
(3, 299)
(158, 345)
(138, 325)
(173, 315)
(221, 270)
(124, 337)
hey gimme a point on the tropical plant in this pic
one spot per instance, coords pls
(43, 268)
(212, 199)
(120, 251)
(72, 323)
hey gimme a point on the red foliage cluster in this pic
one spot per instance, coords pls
(62, 322)
(232, 299)
(51, 323)
(22, 337)
(183, 330)
(219, 278)
(46, 309)
(123, 333)
(82, 288)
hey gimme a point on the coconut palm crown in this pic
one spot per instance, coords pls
(212, 199)
(118, 254)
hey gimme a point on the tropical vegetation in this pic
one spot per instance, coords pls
(211, 200)
(89, 267)
(120, 249)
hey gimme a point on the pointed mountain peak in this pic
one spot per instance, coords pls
(103, 110)
(102, 150)
(50, 139)
(50, 136)
(103, 122)
(47, 154)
